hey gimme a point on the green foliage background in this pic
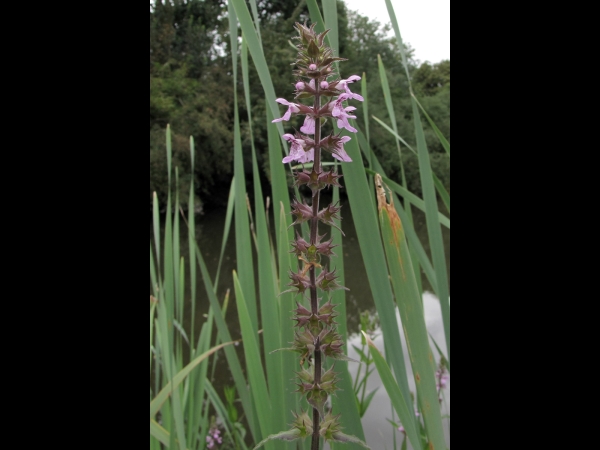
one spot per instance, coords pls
(191, 88)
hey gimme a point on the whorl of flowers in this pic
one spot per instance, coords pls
(316, 337)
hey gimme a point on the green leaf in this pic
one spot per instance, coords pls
(365, 222)
(436, 130)
(408, 297)
(160, 433)
(163, 395)
(412, 198)
(445, 196)
(400, 403)
(254, 366)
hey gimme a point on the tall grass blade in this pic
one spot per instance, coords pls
(436, 130)
(222, 412)
(243, 245)
(232, 359)
(169, 153)
(163, 395)
(331, 23)
(152, 312)
(286, 303)
(191, 239)
(407, 209)
(269, 306)
(256, 19)
(258, 57)
(433, 225)
(344, 403)
(228, 217)
(256, 377)
(444, 195)
(433, 228)
(402, 404)
(316, 18)
(409, 300)
(156, 230)
(367, 230)
(416, 201)
(411, 235)
(390, 108)
(158, 432)
(395, 134)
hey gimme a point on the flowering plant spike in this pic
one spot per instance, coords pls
(317, 337)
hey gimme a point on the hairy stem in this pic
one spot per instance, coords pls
(314, 229)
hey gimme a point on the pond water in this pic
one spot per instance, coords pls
(209, 233)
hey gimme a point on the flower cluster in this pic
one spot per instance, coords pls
(214, 437)
(442, 378)
(316, 337)
(315, 63)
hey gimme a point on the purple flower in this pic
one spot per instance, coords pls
(300, 86)
(298, 152)
(213, 438)
(339, 152)
(312, 67)
(341, 113)
(324, 85)
(443, 379)
(309, 125)
(292, 109)
(344, 85)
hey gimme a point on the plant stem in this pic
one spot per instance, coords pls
(314, 229)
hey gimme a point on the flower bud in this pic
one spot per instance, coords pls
(302, 211)
(324, 85)
(300, 86)
(312, 67)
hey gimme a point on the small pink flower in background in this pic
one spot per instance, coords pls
(324, 84)
(401, 429)
(443, 379)
(292, 109)
(300, 86)
(213, 438)
(312, 67)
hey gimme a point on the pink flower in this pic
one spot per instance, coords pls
(213, 438)
(312, 67)
(324, 85)
(298, 152)
(309, 125)
(292, 109)
(341, 113)
(339, 152)
(344, 85)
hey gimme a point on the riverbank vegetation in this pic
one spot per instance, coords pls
(216, 69)
(191, 73)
